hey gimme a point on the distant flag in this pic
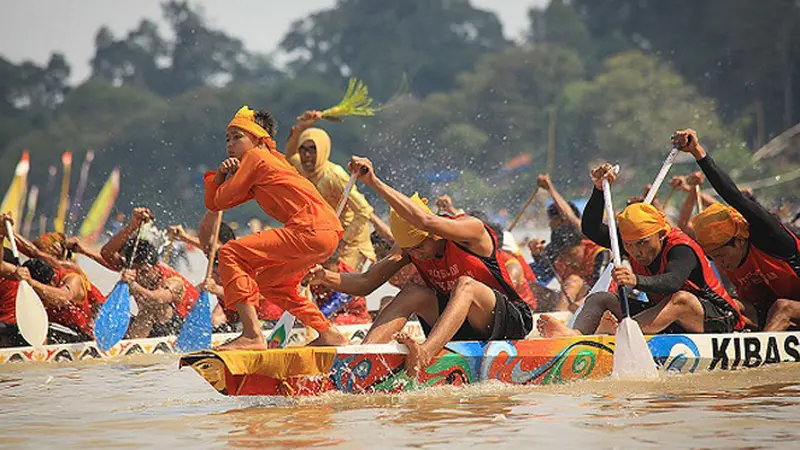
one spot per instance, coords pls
(47, 202)
(78, 200)
(14, 200)
(33, 198)
(96, 218)
(519, 163)
(63, 202)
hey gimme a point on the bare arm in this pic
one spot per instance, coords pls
(205, 232)
(361, 284)
(563, 207)
(71, 291)
(381, 228)
(110, 251)
(162, 295)
(89, 253)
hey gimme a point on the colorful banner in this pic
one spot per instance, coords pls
(96, 219)
(63, 202)
(33, 198)
(14, 200)
(77, 203)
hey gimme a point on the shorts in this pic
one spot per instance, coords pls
(512, 320)
(716, 319)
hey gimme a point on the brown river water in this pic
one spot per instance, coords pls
(146, 402)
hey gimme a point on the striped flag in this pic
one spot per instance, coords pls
(14, 200)
(63, 202)
(96, 219)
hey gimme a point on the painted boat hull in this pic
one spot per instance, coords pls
(153, 346)
(381, 368)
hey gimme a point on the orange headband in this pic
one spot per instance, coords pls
(641, 220)
(245, 119)
(717, 225)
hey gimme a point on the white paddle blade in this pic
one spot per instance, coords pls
(31, 315)
(603, 281)
(632, 357)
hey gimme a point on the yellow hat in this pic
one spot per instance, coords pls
(245, 119)
(717, 225)
(405, 234)
(641, 220)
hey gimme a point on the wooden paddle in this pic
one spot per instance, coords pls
(31, 315)
(522, 210)
(347, 188)
(115, 314)
(195, 334)
(632, 357)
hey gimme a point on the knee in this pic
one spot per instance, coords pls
(683, 299)
(783, 306)
(573, 281)
(601, 299)
(465, 285)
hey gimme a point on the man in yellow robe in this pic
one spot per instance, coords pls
(309, 151)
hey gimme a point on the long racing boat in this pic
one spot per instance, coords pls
(359, 369)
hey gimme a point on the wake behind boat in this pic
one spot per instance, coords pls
(309, 371)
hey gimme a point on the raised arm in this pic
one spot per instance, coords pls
(110, 251)
(467, 230)
(304, 122)
(564, 210)
(74, 245)
(361, 284)
(355, 201)
(766, 232)
(71, 291)
(381, 228)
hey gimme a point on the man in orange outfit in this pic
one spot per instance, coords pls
(271, 262)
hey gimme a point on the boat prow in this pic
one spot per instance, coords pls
(357, 369)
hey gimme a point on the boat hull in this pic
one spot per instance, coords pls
(381, 368)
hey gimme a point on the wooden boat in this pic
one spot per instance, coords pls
(306, 371)
(154, 346)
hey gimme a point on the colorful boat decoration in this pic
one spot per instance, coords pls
(307, 371)
(154, 346)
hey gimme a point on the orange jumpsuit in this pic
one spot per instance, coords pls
(274, 261)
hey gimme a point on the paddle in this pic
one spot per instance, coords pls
(115, 314)
(31, 315)
(698, 198)
(632, 357)
(522, 210)
(661, 175)
(196, 330)
(347, 188)
(601, 285)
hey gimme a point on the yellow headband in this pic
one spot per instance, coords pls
(641, 220)
(405, 234)
(245, 119)
(717, 225)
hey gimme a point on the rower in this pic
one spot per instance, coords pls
(467, 295)
(309, 150)
(684, 294)
(164, 297)
(756, 252)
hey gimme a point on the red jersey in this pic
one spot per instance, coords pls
(441, 273)
(713, 289)
(189, 294)
(73, 315)
(8, 300)
(523, 289)
(762, 277)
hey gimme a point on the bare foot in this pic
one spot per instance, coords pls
(551, 327)
(245, 343)
(330, 338)
(608, 324)
(417, 358)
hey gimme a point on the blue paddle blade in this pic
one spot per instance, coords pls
(112, 321)
(196, 331)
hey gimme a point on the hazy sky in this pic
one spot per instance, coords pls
(32, 29)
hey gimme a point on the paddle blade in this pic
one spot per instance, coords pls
(112, 321)
(632, 357)
(603, 281)
(280, 334)
(31, 315)
(196, 331)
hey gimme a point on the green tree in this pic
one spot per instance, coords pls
(431, 41)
